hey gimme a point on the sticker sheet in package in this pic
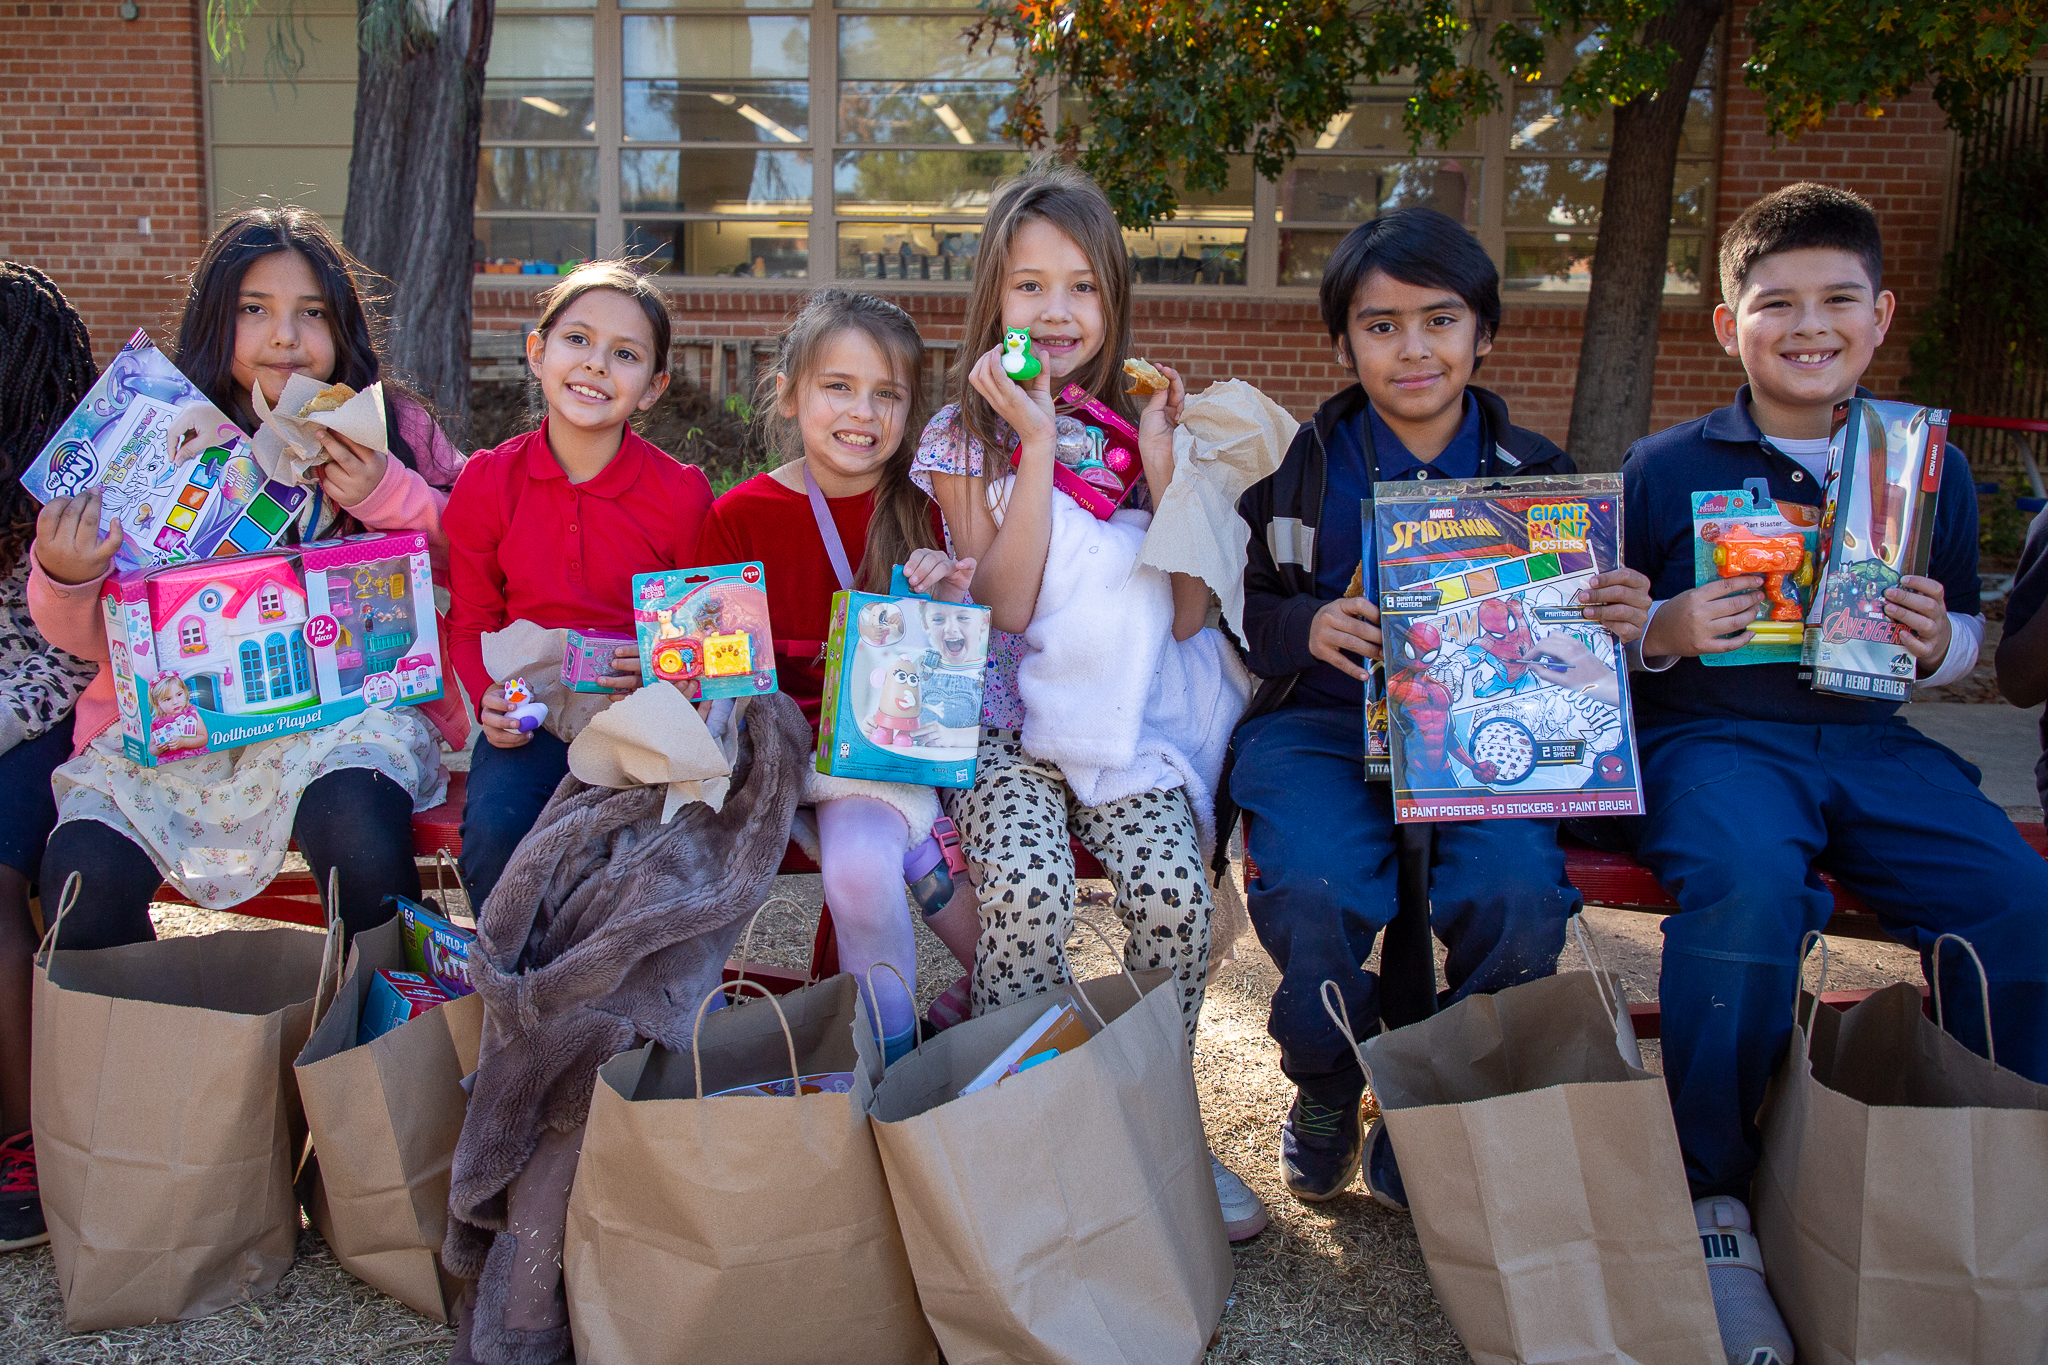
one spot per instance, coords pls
(218, 653)
(1877, 526)
(174, 469)
(903, 679)
(1742, 533)
(706, 630)
(1503, 701)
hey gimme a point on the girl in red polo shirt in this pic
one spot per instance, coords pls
(847, 385)
(550, 527)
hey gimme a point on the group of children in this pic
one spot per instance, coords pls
(1754, 783)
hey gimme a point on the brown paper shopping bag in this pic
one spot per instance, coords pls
(1543, 1171)
(384, 1118)
(1902, 1203)
(741, 1228)
(1067, 1214)
(165, 1118)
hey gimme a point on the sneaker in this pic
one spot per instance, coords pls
(1382, 1176)
(21, 1201)
(1244, 1213)
(1320, 1147)
(1752, 1332)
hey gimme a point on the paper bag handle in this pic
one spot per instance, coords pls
(747, 939)
(331, 958)
(66, 898)
(1116, 955)
(916, 1020)
(1614, 1002)
(1983, 986)
(1340, 1015)
(1806, 946)
(796, 1077)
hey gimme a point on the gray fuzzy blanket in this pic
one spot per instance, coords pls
(606, 927)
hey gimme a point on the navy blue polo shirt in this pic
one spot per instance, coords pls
(2029, 592)
(1719, 451)
(1341, 535)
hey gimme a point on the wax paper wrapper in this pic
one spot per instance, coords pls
(287, 447)
(654, 737)
(525, 650)
(1230, 436)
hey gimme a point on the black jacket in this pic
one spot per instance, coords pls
(1284, 512)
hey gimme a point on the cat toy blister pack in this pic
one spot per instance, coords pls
(1502, 700)
(706, 630)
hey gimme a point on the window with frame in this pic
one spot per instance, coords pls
(859, 140)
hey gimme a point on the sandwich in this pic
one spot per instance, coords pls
(327, 400)
(1145, 380)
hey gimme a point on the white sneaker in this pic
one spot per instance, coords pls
(1244, 1215)
(1752, 1331)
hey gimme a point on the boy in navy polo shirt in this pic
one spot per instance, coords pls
(1412, 303)
(1756, 783)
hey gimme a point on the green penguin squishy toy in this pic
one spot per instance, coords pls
(1020, 362)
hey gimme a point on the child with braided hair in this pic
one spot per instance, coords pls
(45, 369)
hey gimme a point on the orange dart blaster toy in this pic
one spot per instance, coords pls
(1741, 533)
(1876, 527)
(1501, 700)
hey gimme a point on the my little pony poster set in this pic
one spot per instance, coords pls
(902, 698)
(1502, 700)
(217, 653)
(706, 630)
(179, 474)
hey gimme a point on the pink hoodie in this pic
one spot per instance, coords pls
(69, 616)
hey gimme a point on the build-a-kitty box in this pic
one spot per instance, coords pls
(217, 653)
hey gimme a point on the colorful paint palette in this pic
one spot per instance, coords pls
(1514, 573)
(264, 520)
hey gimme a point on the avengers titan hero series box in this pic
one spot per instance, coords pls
(1502, 700)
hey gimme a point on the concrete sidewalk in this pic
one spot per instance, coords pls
(2002, 740)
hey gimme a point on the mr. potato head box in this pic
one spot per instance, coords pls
(903, 677)
(213, 654)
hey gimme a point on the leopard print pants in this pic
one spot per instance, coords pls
(1014, 825)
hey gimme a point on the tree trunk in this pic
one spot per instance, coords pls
(1618, 349)
(412, 183)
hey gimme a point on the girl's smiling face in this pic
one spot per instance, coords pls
(850, 410)
(283, 325)
(597, 365)
(1052, 291)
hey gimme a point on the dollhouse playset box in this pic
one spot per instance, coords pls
(215, 653)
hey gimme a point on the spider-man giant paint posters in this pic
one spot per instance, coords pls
(1502, 700)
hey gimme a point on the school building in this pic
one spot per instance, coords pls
(755, 149)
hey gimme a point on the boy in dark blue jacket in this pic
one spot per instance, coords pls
(1756, 783)
(1412, 303)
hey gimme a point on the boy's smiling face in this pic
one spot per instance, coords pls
(1805, 326)
(1414, 348)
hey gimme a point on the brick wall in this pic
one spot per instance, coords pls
(100, 126)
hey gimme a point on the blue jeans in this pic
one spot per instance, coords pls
(1323, 840)
(1744, 817)
(507, 790)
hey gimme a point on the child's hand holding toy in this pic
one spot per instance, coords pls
(625, 674)
(938, 575)
(500, 727)
(1919, 607)
(351, 472)
(1028, 410)
(68, 541)
(1619, 600)
(1710, 619)
(1349, 625)
(521, 708)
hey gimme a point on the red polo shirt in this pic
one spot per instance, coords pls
(526, 544)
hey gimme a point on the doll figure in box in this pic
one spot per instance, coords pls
(881, 624)
(899, 698)
(174, 723)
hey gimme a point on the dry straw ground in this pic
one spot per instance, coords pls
(1343, 1281)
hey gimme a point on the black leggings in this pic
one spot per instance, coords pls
(355, 819)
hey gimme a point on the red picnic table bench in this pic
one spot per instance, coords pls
(1614, 880)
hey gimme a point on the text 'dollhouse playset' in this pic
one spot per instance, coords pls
(215, 653)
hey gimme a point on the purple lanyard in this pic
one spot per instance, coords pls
(835, 549)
